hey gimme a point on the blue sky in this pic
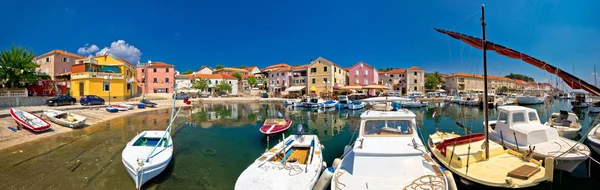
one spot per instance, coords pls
(383, 33)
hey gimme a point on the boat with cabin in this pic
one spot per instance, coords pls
(580, 100)
(343, 102)
(566, 123)
(356, 105)
(371, 163)
(313, 102)
(519, 128)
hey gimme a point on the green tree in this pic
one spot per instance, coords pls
(200, 84)
(237, 75)
(252, 81)
(223, 86)
(189, 71)
(220, 67)
(243, 67)
(503, 89)
(520, 77)
(431, 82)
(17, 67)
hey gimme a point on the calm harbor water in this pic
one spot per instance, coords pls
(214, 143)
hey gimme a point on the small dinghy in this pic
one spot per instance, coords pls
(111, 109)
(566, 123)
(29, 120)
(329, 104)
(274, 126)
(149, 153)
(294, 163)
(129, 107)
(65, 118)
(120, 108)
(148, 103)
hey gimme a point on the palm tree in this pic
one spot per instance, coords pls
(17, 67)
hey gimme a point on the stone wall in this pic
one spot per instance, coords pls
(8, 102)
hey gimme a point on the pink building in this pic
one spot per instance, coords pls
(156, 77)
(56, 63)
(363, 74)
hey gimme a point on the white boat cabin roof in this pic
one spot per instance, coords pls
(403, 113)
(526, 123)
(515, 108)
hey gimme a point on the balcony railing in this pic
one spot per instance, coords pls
(96, 75)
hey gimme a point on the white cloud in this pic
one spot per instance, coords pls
(87, 49)
(121, 49)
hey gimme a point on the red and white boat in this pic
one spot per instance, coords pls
(29, 120)
(120, 107)
(274, 126)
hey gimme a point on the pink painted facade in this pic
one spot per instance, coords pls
(56, 63)
(363, 74)
(156, 77)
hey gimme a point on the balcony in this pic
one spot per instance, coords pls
(85, 75)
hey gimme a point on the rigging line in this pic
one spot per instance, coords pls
(465, 19)
(449, 52)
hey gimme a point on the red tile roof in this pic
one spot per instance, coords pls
(300, 67)
(347, 69)
(250, 68)
(414, 68)
(396, 71)
(160, 64)
(213, 76)
(57, 51)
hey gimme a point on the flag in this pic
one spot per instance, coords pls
(433, 115)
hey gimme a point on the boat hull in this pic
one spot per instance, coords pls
(52, 115)
(274, 129)
(141, 171)
(29, 120)
(526, 100)
(594, 109)
(112, 109)
(356, 106)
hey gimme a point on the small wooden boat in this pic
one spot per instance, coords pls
(111, 109)
(129, 107)
(294, 163)
(148, 103)
(566, 123)
(274, 126)
(65, 118)
(120, 108)
(29, 120)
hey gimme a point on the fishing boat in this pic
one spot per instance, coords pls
(65, 118)
(525, 99)
(343, 102)
(519, 128)
(314, 102)
(111, 109)
(148, 103)
(595, 107)
(593, 138)
(472, 100)
(356, 105)
(580, 100)
(371, 163)
(475, 159)
(120, 107)
(566, 123)
(149, 152)
(294, 163)
(329, 104)
(413, 103)
(28, 120)
(274, 126)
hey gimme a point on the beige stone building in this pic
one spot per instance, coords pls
(404, 81)
(474, 82)
(323, 75)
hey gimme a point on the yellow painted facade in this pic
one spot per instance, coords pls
(323, 75)
(90, 81)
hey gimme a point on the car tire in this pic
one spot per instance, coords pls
(89, 104)
(102, 102)
(55, 104)
(72, 102)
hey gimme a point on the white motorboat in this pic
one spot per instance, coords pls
(343, 102)
(294, 163)
(519, 128)
(65, 118)
(314, 102)
(595, 107)
(580, 100)
(530, 99)
(356, 105)
(371, 163)
(329, 104)
(291, 102)
(303, 102)
(414, 104)
(149, 152)
(593, 139)
(472, 100)
(566, 123)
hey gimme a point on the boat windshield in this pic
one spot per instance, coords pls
(388, 127)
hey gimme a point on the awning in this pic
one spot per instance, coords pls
(295, 88)
(350, 87)
(375, 87)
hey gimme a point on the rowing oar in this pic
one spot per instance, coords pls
(462, 126)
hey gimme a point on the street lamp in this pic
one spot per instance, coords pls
(109, 78)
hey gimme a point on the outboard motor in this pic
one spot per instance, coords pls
(279, 115)
(299, 130)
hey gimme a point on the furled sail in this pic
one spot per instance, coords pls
(572, 81)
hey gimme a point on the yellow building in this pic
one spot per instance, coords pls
(101, 74)
(323, 75)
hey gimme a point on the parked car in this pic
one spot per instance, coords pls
(61, 100)
(265, 95)
(91, 100)
(182, 96)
